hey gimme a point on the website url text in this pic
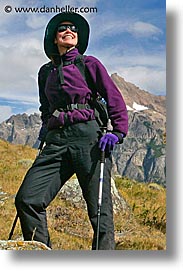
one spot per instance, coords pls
(45, 9)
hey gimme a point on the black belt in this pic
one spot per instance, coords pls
(71, 107)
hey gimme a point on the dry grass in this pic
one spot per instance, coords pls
(141, 227)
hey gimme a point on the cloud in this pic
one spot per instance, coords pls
(7, 18)
(143, 29)
(6, 111)
(149, 79)
(21, 55)
(125, 25)
(32, 111)
(145, 70)
(35, 22)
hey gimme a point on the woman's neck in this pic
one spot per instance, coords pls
(65, 50)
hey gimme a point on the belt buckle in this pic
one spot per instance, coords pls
(73, 106)
(56, 113)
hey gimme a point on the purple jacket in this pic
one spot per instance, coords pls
(75, 90)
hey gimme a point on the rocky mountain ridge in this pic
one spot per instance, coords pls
(138, 99)
(141, 157)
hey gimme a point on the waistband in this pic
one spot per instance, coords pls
(71, 107)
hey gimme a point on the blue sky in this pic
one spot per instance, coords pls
(128, 36)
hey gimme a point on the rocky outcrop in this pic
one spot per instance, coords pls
(22, 245)
(71, 191)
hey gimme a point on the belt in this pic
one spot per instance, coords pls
(71, 107)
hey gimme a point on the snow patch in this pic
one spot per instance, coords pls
(129, 108)
(136, 107)
(139, 107)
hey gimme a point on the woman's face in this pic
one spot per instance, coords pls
(66, 38)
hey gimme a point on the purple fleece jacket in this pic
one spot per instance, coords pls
(75, 90)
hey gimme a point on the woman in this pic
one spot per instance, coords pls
(73, 137)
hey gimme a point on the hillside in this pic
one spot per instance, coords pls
(139, 216)
(141, 157)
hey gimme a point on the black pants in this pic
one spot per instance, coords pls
(72, 149)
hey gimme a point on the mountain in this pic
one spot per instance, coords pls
(21, 129)
(136, 99)
(142, 155)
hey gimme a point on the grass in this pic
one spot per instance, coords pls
(142, 226)
(146, 224)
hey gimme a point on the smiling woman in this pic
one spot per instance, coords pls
(66, 37)
(75, 141)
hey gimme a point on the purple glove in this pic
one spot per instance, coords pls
(108, 141)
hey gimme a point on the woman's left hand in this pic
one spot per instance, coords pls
(108, 141)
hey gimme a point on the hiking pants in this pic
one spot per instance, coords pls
(69, 150)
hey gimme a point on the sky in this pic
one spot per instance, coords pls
(127, 36)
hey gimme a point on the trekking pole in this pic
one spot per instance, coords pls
(101, 180)
(40, 148)
(16, 217)
(13, 227)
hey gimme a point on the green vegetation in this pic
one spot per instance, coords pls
(157, 148)
(142, 226)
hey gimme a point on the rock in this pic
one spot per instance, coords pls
(3, 197)
(71, 191)
(22, 245)
(26, 162)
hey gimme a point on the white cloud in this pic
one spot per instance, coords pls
(5, 17)
(108, 26)
(147, 71)
(143, 29)
(144, 68)
(32, 111)
(35, 22)
(149, 79)
(21, 56)
(5, 112)
(118, 26)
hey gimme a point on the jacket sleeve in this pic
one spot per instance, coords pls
(44, 104)
(107, 89)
